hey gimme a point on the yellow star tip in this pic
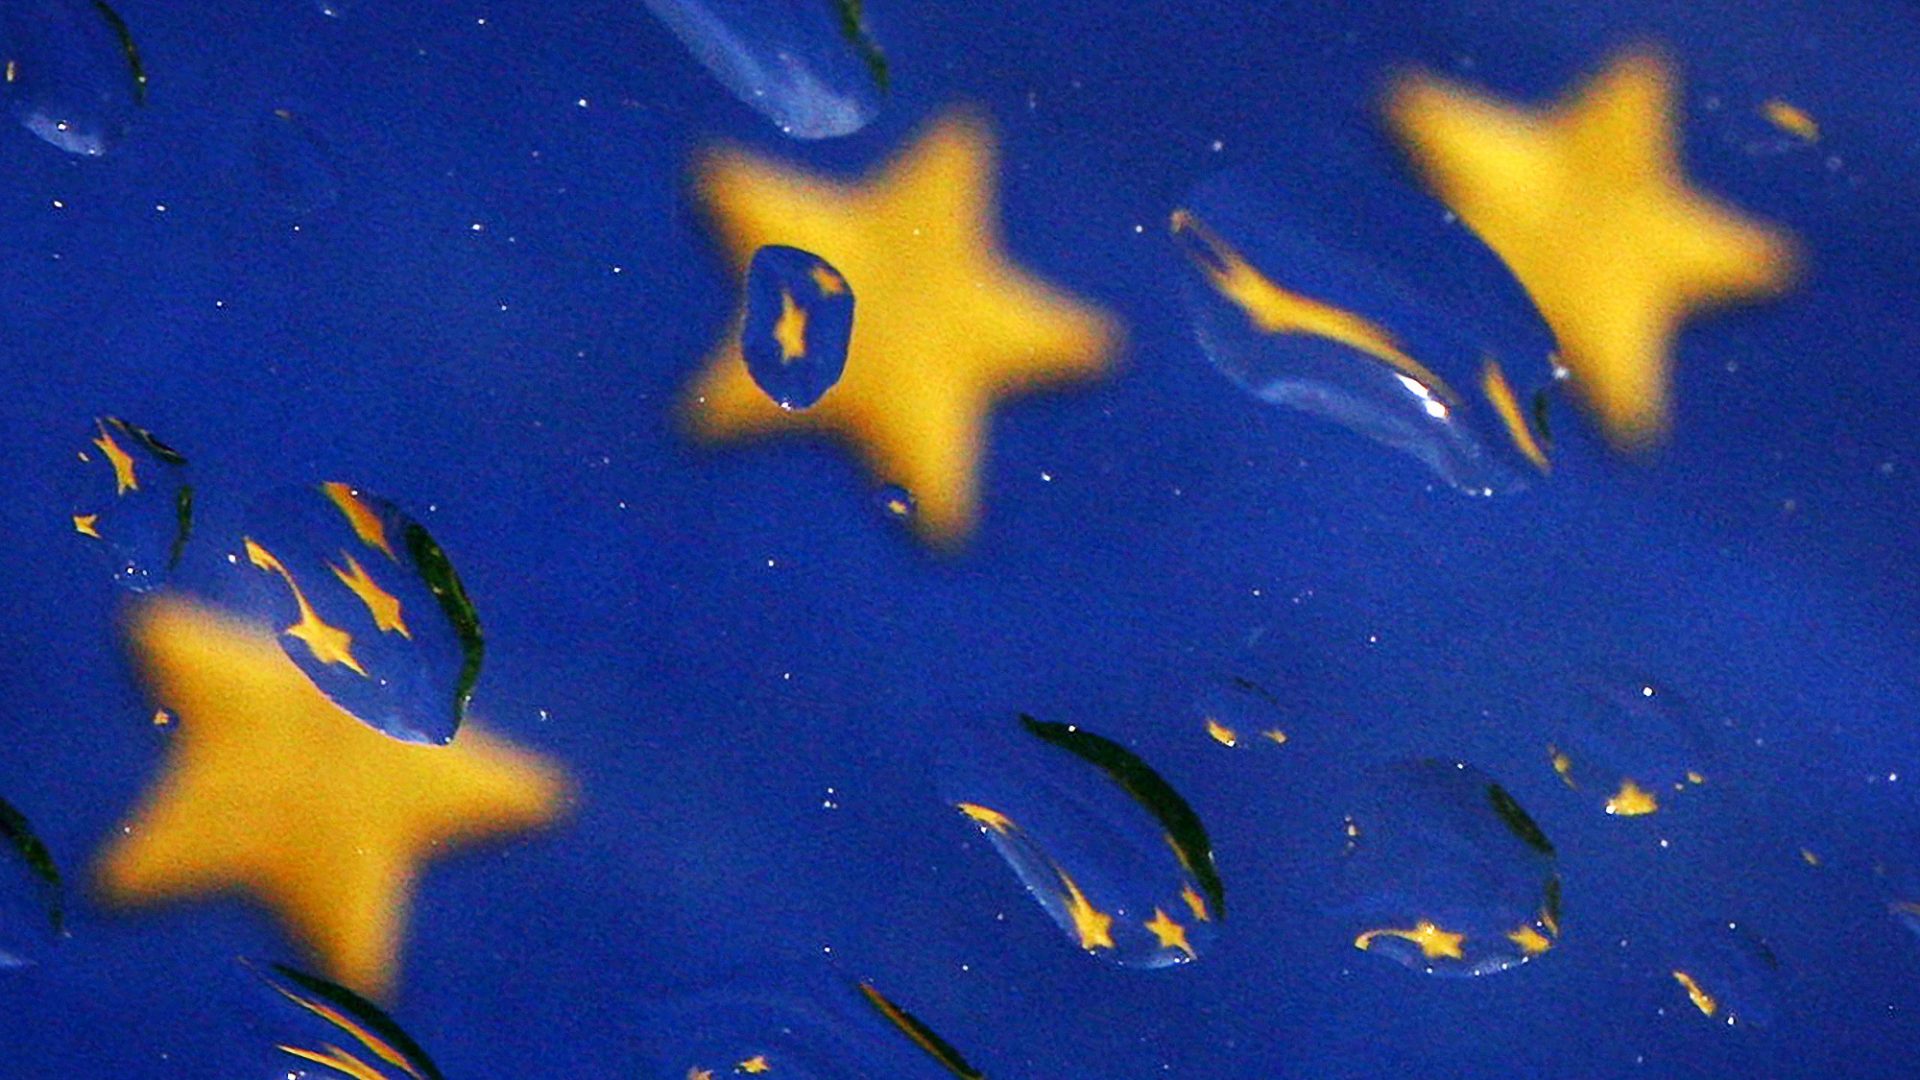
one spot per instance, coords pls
(271, 791)
(1588, 204)
(946, 324)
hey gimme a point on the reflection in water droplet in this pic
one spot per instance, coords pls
(798, 325)
(1327, 286)
(1629, 744)
(342, 1032)
(367, 604)
(830, 1030)
(134, 499)
(1112, 873)
(32, 901)
(295, 166)
(1446, 874)
(72, 74)
(1237, 712)
(895, 502)
(1726, 973)
(807, 66)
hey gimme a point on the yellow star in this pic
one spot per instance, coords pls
(945, 321)
(1170, 934)
(272, 790)
(1587, 204)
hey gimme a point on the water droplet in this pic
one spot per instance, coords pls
(367, 604)
(72, 74)
(1328, 286)
(831, 1030)
(297, 169)
(324, 1023)
(1445, 873)
(1726, 973)
(1629, 744)
(134, 500)
(798, 325)
(895, 502)
(1106, 848)
(32, 900)
(810, 68)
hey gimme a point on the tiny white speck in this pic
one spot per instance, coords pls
(476, 227)
(58, 205)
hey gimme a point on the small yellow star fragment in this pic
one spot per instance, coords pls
(273, 791)
(1587, 204)
(945, 321)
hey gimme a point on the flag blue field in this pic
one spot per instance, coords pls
(1542, 711)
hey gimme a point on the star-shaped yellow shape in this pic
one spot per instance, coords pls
(944, 321)
(272, 790)
(1587, 204)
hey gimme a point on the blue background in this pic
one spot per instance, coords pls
(713, 639)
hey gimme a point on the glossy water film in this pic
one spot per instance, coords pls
(134, 500)
(1445, 873)
(72, 72)
(367, 604)
(1331, 285)
(809, 66)
(1108, 849)
(798, 325)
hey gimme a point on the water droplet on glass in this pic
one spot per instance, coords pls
(811, 68)
(1445, 873)
(32, 901)
(134, 500)
(1628, 744)
(367, 604)
(1106, 848)
(1726, 973)
(323, 1023)
(72, 73)
(296, 167)
(895, 502)
(1329, 286)
(828, 1029)
(798, 325)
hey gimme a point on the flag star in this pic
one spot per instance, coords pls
(1587, 203)
(271, 790)
(947, 322)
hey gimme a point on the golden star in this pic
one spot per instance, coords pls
(1587, 204)
(945, 321)
(272, 790)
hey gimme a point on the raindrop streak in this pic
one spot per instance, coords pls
(798, 326)
(1112, 854)
(295, 167)
(1446, 874)
(833, 1031)
(1328, 286)
(135, 499)
(807, 65)
(367, 604)
(1629, 744)
(330, 1011)
(30, 891)
(73, 74)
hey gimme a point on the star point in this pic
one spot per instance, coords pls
(1588, 204)
(270, 790)
(947, 321)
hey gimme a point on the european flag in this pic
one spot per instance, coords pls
(1259, 540)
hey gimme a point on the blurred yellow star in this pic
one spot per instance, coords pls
(1587, 204)
(271, 790)
(945, 322)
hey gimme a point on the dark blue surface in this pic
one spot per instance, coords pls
(491, 325)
